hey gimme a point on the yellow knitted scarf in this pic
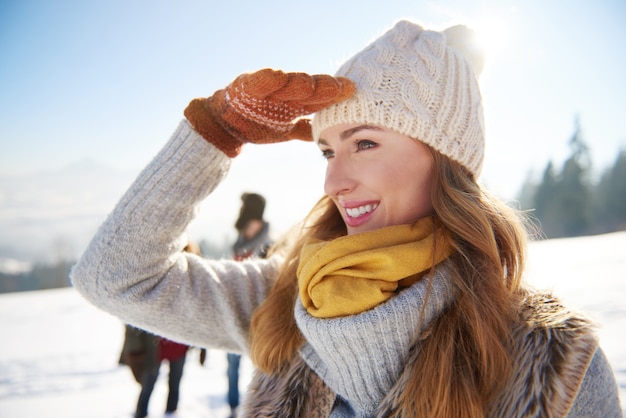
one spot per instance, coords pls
(354, 273)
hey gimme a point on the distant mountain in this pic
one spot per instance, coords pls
(51, 215)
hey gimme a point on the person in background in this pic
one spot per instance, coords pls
(253, 232)
(144, 352)
(401, 294)
(253, 240)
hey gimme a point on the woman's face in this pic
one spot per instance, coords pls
(375, 176)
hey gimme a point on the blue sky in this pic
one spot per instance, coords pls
(107, 81)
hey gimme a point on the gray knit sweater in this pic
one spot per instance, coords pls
(134, 268)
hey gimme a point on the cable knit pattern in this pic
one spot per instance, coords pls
(361, 356)
(413, 81)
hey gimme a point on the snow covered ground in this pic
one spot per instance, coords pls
(58, 356)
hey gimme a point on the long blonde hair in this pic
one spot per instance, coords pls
(275, 338)
(465, 356)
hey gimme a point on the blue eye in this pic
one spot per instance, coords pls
(364, 144)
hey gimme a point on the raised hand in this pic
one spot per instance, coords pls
(265, 107)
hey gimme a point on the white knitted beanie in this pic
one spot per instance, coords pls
(420, 83)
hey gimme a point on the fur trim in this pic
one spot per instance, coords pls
(553, 348)
(296, 392)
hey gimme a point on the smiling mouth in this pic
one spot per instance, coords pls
(360, 210)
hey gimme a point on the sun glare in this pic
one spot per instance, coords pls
(493, 34)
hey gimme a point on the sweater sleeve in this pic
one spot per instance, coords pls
(598, 395)
(134, 267)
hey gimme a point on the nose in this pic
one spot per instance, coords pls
(340, 177)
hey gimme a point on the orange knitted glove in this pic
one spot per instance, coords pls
(264, 107)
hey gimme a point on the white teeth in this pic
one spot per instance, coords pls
(355, 212)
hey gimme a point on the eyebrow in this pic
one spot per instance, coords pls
(349, 132)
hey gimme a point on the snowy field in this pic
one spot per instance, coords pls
(58, 357)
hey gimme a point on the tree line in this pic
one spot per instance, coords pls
(568, 201)
(41, 276)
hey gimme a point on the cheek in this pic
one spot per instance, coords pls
(417, 189)
(383, 179)
(398, 181)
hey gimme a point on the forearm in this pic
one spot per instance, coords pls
(135, 269)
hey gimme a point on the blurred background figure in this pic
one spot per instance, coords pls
(144, 352)
(253, 240)
(252, 230)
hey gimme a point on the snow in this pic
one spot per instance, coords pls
(58, 358)
(60, 361)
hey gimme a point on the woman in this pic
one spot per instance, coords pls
(402, 294)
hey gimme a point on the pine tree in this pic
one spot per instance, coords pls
(562, 201)
(575, 199)
(545, 210)
(610, 197)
